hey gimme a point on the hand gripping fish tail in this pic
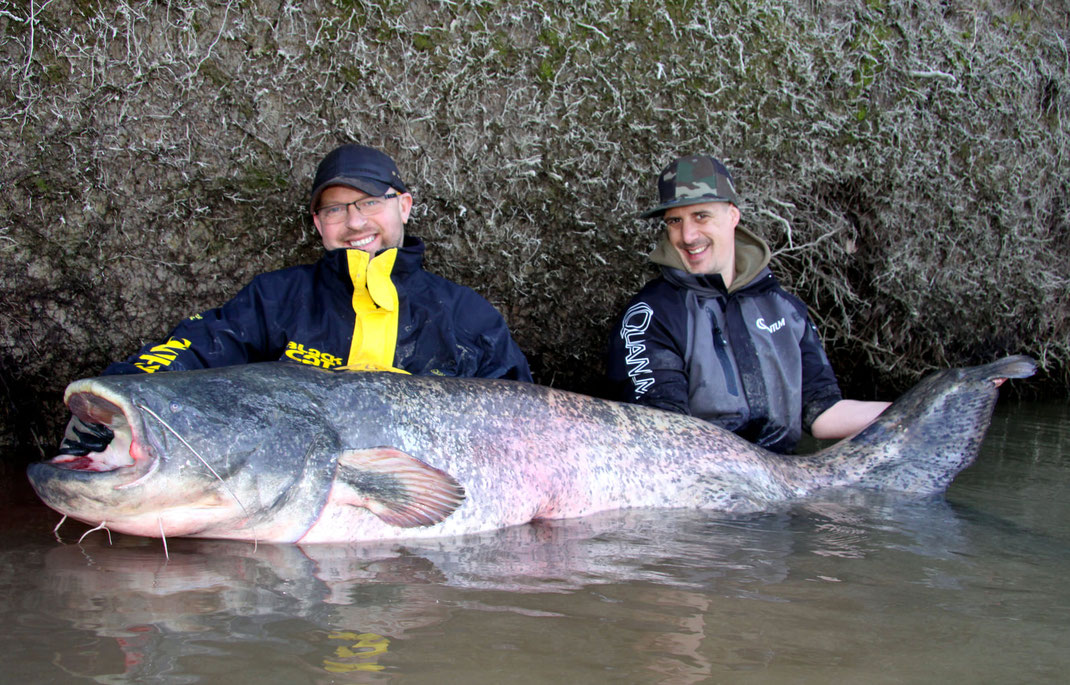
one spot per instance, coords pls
(929, 435)
(288, 453)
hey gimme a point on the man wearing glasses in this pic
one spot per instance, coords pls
(366, 304)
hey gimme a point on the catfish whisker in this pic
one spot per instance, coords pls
(196, 454)
(103, 526)
(202, 460)
(164, 539)
(55, 531)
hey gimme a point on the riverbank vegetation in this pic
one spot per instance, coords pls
(907, 161)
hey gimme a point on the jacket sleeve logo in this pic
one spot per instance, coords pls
(632, 329)
(161, 355)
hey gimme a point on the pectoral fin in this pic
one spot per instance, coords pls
(398, 488)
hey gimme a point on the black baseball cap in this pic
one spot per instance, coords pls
(356, 166)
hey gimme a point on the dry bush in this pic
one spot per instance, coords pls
(906, 160)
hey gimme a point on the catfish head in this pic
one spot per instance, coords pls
(192, 454)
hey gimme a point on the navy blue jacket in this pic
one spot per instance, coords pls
(307, 314)
(747, 358)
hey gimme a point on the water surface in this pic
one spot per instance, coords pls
(852, 587)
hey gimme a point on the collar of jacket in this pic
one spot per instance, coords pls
(752, 258)
(410, 258)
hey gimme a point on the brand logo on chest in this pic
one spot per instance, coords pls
(770, 328)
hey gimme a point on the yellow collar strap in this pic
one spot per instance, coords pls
(375, 305)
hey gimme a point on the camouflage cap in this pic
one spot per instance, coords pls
(692, 180)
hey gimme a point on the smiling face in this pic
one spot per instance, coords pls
(705, 237)
(369, 233)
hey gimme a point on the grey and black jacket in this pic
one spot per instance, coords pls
(746, 358)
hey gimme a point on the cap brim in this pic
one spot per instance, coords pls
(682, 202)
(364, 185)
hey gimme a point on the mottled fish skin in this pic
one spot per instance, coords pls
(929, 435)
(281, 452)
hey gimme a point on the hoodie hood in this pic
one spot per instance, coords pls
(752, 255)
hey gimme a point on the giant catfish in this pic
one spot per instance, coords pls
(279, 452)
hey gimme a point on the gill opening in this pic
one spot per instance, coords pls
(206, 465)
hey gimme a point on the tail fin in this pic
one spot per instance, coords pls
(929, 435)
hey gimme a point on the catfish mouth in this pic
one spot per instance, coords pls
(127, 455)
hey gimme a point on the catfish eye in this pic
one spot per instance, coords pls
(175, 407)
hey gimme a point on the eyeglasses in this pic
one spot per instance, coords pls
(369, 206)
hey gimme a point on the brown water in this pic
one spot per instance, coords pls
(850, 588)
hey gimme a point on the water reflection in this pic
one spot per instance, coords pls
(334, 609)
(162, 612)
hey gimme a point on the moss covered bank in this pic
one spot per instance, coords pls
(906, 160)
